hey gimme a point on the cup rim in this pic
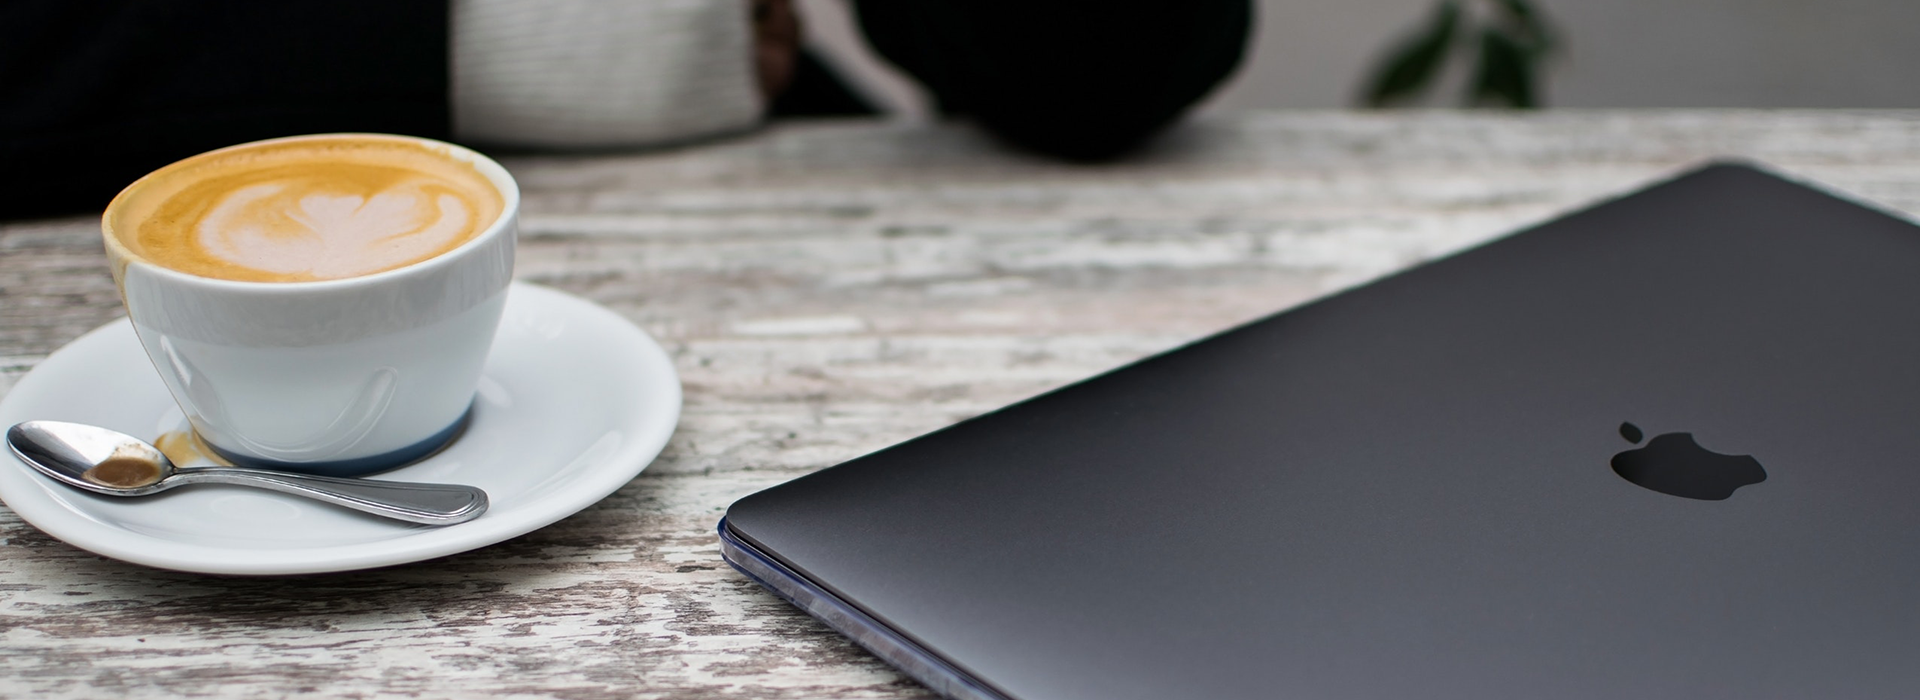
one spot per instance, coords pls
(495, 174)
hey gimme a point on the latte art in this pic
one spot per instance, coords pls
(306, 210)
(301, 228)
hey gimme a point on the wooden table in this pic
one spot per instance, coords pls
(827, 289)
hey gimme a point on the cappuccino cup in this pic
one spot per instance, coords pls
(320, 304)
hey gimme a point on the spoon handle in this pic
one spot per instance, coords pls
(430, 504)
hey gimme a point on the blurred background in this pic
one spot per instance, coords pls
(1322, 54)
(99, 79)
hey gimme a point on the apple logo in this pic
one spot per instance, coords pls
(1675, 465)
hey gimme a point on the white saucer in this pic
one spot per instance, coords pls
(574, 402)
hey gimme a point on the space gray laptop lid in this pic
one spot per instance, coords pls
(1660, 448)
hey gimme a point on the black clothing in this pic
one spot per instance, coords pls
(96, 93)
(1078, 79)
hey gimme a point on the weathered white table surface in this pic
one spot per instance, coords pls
(827, 289)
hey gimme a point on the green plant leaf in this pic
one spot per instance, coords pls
(1505, 75)
(1527, 25)
(1411, 65)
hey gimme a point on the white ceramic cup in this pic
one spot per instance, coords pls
(338, 377)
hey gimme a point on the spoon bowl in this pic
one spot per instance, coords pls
(92, 458)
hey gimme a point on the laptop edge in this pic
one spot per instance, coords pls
(898, 651)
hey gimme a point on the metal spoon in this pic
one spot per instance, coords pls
(103, 461)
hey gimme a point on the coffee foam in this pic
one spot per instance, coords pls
(305, 209)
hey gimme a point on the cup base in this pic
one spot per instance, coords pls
(358, 466)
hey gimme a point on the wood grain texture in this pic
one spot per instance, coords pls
(827, 289)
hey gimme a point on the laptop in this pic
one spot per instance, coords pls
(1664, 447)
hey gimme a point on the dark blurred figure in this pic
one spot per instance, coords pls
(1079, 79)
(95, 93)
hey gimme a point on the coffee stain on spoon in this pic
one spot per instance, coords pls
(126, 468)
